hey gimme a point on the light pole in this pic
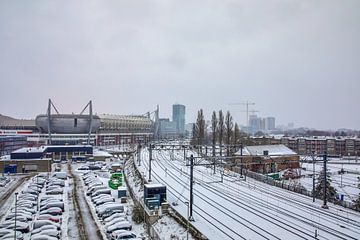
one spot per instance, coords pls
(16, 194)
(187, 231)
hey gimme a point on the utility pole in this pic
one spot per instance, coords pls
(16, 194)
(325, 183)
(241, 160)
(191, 187)
(138, 154)
(313, 158)
(150, 159)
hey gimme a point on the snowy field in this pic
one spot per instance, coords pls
(238, 209)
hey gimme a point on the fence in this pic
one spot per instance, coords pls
(296, 187)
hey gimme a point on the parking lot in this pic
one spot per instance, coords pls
(73, 202)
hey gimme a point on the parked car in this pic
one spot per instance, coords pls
(124, 225)
(48, 232)
(104, 200)
(52, 211)
(18, 214)
(53, 204)
(115, 220)
(115, 215)
(44, 228)
(59, 175)
(20, 226)
(95, 188)
(43, 237)
(101, 191)
(49, 217)
(4, 233)
(55, 191)
(122, 234)
(93, 199)
(40, 223)
(108, 208)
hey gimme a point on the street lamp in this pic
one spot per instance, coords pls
(187, 230)
(16, 194)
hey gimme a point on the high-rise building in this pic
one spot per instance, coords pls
(254, 123)
(270, 123)
(179, 117)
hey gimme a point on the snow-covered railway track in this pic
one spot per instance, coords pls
(297, 230)
(234, 196)
(229, 215)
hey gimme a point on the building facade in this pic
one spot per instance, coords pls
(316, 145)
(178, 118)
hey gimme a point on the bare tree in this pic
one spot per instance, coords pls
(236, 138)
(221, 129)
(228, 128)
(200, 128)
(214, 124)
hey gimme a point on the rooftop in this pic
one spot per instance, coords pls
(273, 150)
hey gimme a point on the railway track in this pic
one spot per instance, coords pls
(264, 208)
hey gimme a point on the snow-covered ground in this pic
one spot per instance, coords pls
(238, 209)
(166, 226)
(104, 176)
(345, 183)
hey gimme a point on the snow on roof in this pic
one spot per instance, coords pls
(30, 149)
(153, 185)
(273, 150)
(99, 153)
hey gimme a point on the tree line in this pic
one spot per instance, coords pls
(223, 132)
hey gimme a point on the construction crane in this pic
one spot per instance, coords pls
(247, 104)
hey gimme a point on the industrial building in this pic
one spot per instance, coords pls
(266, 158)
(39, 159)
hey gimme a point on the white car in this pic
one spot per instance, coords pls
(123, 225)
(123, 234)
(115, 215)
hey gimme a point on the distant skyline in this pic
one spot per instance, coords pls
(299, 61)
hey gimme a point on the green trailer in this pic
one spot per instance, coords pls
(116, 180)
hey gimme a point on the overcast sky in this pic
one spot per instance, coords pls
(298, 60)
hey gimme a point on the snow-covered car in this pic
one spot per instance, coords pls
(113, 221)
(99, 196)
(48, 232)
(101, 201)
(7, 233)
(20, 226)
(108, 213)
(49, 217)
(55, 191)
(18, 218)
(52, 211)
(43, 237)
(53, 204)
(40, 223)
(115, 215)
(123, 225)
(122, 234)
(44, 228)
(24, 209)
(11, 215)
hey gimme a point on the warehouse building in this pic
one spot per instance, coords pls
(266, 158)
